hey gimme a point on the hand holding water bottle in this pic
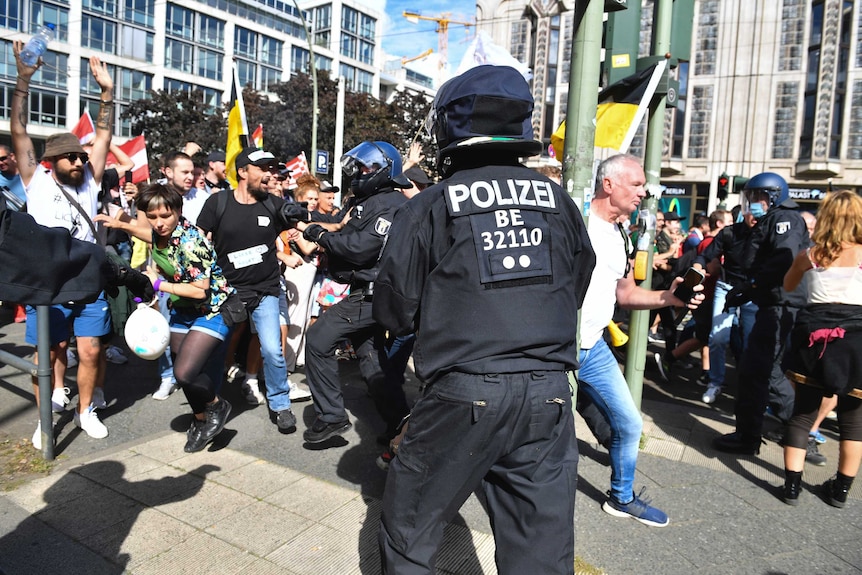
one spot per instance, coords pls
(36, 46)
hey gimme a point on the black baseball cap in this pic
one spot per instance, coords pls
(255, 156)
(216, 156)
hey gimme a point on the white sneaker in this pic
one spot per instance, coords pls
(252, 393)
(115, 355)
(166, 388)
(297, 393)
(89, 422)
(37, 435)
(59, 399)
(234, 373)
(711, 394)
(71, 358)
(98, 399)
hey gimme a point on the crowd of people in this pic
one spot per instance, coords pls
(260, 280)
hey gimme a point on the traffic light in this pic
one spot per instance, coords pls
(723, 186)
(739, 183)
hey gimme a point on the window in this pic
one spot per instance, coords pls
(8, 67)
(246, 72)
(702, 106)
(299, 59)
(134, 85)
(854, 135)
(137, 44)
(179, 55)
(707, 39)
(47, 109)
(53, 72)
(364, 81)
(348, 45)
(180, 22)
(678, 114)
(245, 43)
(209, 64)
(792, 33)
(366, 52)
(10, 14)
(140, 12)
(357, 35)
(99, 34)
(518, 40)
(43, 12)
(211, 98)
(268, 78)
(349, 19)
(211, 31)
(270, 51)
(105, 7)
(323, 17)
(786, 105)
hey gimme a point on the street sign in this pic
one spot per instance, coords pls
(321, 165)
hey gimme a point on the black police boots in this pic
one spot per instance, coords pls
(737, 443)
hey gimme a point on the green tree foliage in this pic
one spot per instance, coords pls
(170, 119)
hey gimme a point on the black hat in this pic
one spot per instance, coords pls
(216, 156)
(486, 106)
(417, 175)
(329, 188)
(672, 215)
(255, 156)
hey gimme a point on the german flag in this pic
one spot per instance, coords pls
(621, 107)
(237, 129)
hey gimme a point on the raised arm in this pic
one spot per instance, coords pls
(105, 118)
(22, 145)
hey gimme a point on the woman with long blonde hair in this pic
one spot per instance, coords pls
(826, 344)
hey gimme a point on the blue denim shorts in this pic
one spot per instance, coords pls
(87, 320)
(184, 321)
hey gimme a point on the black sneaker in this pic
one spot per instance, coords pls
(285, 419)
(202, 432)
(813, 455)
(834, 493)
(736, 443)
(320, 430)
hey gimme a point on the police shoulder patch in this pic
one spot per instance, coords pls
(782, 227)
(381, 226)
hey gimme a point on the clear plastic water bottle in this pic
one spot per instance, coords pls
(37, 45)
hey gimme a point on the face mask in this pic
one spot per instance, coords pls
(757, 210)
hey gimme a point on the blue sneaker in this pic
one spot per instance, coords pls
(817, 437)
(638, 508)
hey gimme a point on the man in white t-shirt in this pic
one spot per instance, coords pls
(619, 190)
(180, 176)
(67, 196)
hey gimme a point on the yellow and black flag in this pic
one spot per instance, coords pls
(621, 107)
(237, 130)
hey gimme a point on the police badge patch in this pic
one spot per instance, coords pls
(782, 227)
(381, 226)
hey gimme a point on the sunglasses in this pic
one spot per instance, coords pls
(3, 158)
(75, 156)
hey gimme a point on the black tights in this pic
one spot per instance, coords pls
(805, 410)
(191, 351)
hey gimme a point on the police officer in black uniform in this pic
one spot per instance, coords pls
(489, 267)
(374, 170)
(776, 238)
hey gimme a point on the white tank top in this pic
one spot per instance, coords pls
(835, 285)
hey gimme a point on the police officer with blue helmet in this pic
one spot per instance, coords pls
(374, 171)
(779, 234)
(489, 267)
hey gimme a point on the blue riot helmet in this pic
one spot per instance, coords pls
(768, 183)
(372, 167)
(485, 108)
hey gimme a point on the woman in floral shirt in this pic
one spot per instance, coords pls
(197, 290)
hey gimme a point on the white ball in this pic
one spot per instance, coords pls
(147, 332)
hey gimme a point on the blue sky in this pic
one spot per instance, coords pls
(401, 38)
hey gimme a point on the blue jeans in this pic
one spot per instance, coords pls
(266, 322)
(601, 379)
(722, 328)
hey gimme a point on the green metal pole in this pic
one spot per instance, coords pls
(313, 158)
(639, 324)
(578, 154)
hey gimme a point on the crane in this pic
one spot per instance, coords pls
(406, 60)
(443, 21)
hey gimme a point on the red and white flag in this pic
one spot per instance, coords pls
(257, 136)
(85, 130)
(296, 167)
(136, 149)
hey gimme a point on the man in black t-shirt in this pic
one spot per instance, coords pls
(243, 234)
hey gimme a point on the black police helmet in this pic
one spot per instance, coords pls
(771, 184)
(487, 108)
(372, 167)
